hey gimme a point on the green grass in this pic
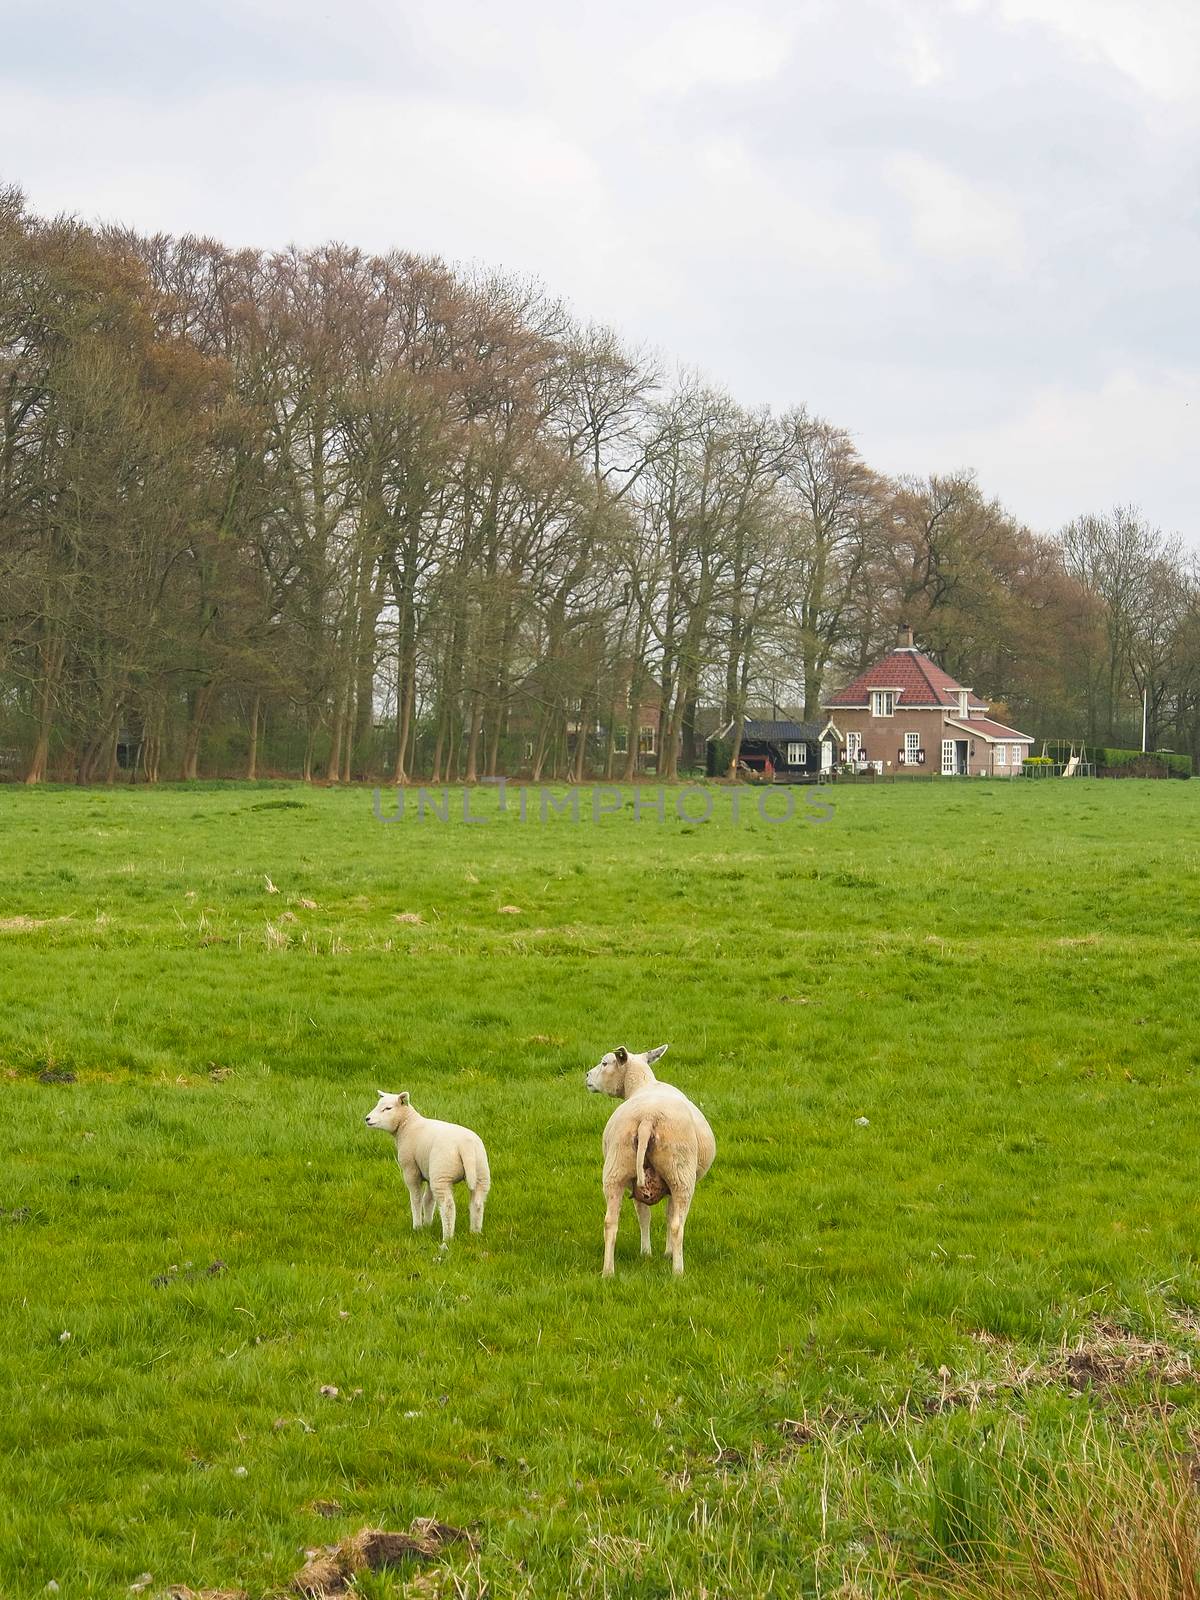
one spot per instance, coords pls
(1001, 978)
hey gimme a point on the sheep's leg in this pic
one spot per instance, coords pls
(445, 1203)
(611, 1216)
(679, 1210)
(644, 1224)
(428, 1207)
(670, 1215)
(478, 1201)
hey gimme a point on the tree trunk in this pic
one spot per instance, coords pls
(191, 749)
(252, 753)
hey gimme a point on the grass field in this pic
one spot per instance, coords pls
(882, 1328)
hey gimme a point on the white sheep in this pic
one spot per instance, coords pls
(433, 1157)
(656, 1143)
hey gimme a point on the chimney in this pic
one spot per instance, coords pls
(904, 638)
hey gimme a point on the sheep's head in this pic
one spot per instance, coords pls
(391, 1113)
(612, 1074)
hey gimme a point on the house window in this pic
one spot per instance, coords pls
(853, 746)
(646, 739)
(1018, 755)
(883, 702)
(621, 741)
(797, 755)
(529, 749)
(1001, 755)
(912, 749)
(949, 759)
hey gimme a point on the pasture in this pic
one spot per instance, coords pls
(885, 1330)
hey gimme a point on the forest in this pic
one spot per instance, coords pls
(333, 515)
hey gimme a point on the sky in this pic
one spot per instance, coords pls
(965, 230)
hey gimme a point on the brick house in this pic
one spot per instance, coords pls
(904, 711)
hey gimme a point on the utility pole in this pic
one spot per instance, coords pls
(1145, 693)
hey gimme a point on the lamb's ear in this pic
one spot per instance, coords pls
(621, 1054)
(653, 1055)
(402, 1099)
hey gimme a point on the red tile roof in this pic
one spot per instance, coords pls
(989, 729)
(921, 682)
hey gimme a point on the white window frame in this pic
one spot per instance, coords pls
(529, 749)
(853, 746)
(1002, 755)
(949, 758)
(883, 702)
(797, 753)
(912, 748)
(1018, 755)
(647, 739)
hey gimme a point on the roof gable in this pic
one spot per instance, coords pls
(917, 680)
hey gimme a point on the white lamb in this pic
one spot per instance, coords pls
(433, 1157)
(657, 1143)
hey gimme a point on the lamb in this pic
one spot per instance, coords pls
(433, 1157)
(657, 1143)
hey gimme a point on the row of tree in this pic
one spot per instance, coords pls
(345, 515)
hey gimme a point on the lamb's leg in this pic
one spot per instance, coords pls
(415, 1200)
(445, 1201)
(428, 1207)
(478, 1201)
(644, 1224)
(611, 1215)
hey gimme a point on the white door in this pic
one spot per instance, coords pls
(826, 755)
(949, 763)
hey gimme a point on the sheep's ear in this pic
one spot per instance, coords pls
(402, 1099)
(653, 1055)
(621, 1054)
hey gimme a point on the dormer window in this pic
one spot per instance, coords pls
(883, 702)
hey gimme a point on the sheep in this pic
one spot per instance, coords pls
(434, 1156)
(657, 1143)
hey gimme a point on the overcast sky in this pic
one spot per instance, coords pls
(964, 229)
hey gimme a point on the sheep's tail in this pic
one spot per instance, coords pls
(470, 1167)
(644, 1135)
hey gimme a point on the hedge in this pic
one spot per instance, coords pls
(1144, 761)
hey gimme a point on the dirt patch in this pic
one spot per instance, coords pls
(189, 1274)
(331, 1570)
(56, 1075)
(1107, 1355)
(805, 1430)
(22, 924)
(180, 1592)
(1104, 1357)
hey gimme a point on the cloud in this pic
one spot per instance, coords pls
(1083, 449)
(712, 49)
(952, 219)
(1154, 42)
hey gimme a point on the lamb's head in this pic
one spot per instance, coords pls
(391, 1113)
(622, 1069)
